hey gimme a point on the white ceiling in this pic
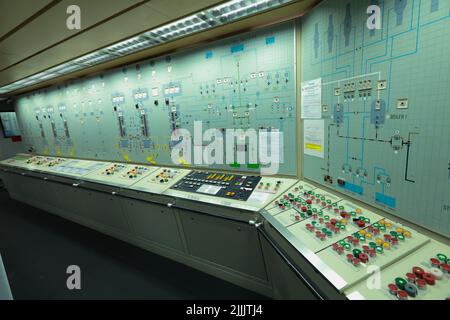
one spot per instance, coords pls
(37, 38)
(34, 36)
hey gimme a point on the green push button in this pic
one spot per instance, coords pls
(314, 210)
(347, 246)
(393, 233)
(309, 213)
(353, 214)
(362, 239)
(328, 201)
(442, 257)
(400, 282)
(341, 207)
(379, 249)
(326, 217)
(401, 237)
(356, 252)
(342, 242)
(372, 244)
(342, 227)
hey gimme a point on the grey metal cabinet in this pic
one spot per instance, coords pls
(227, 243)
(153, 222)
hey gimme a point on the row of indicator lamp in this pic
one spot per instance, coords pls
(267, 185)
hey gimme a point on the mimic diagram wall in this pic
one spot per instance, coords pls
(129, 114)
(385, 104)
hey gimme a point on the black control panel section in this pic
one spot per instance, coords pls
(224, 185)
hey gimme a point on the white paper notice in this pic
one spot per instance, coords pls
(313, 137)
(209, 189)
(259, 197)
(312, 99)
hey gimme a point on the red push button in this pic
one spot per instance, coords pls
(418, 271)
(411, 277)
(361, 223)
(435, 262)
(363, 257)
(393, 289)
(372, 253)
(402, 295)
(445, 268)
(356, 262)
(421, 284)
(429, 278)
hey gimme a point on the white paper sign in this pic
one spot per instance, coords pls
(209, 189)
(313, 137)
(312, 99)
(259, 197)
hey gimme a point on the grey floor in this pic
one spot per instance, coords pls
(37, 247)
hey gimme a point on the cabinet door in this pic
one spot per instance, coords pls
(227, 243)
(39, 193)
(105, 209)
(153, 222)
(286, 284)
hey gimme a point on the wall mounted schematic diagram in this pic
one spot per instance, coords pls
(130, 114)
(385, 131)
